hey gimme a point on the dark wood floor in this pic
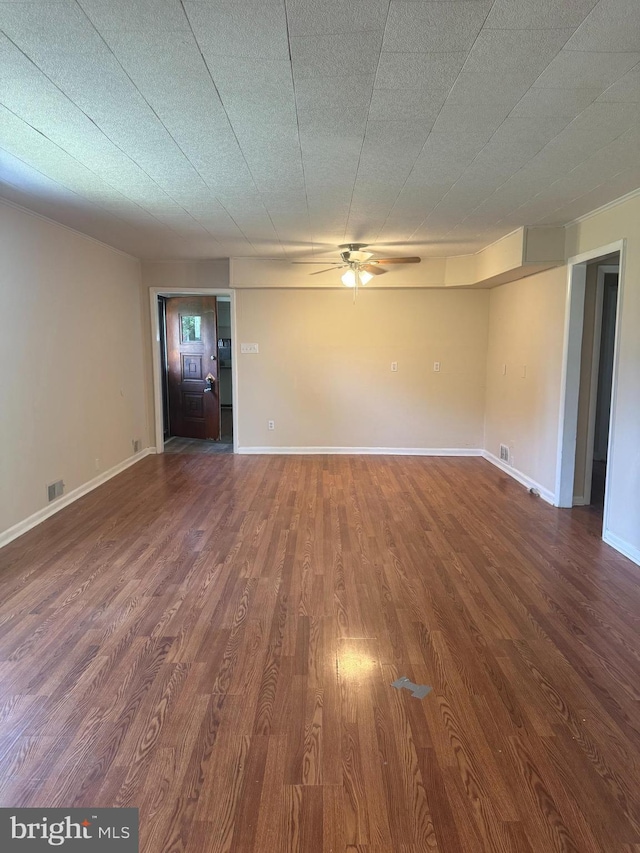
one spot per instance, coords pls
(212, 638)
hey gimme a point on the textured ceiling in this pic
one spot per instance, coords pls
(214, 128)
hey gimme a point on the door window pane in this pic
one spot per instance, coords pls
(190, 328)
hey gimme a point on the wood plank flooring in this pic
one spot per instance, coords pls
(212, 638)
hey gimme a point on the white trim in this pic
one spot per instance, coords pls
(545, 494)
(594, 254)
(570, 383)
(366, 451)
(614, 387)
(629, 551)
(46, 512)
(154, 292)
(46, 218)
(602, 208)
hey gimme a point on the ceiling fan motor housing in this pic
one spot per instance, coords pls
(352, 253)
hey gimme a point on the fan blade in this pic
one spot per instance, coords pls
(316, 263)
(370, 268)
(330, 269)
(397, 260)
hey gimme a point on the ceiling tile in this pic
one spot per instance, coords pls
(573, 69)
(405, 104)
(531, 130)
(459, 118)
(626, 90)
(425, 71)
(613, 25)
(519, 52)
(319, 92)
(428, 26)
(50, 29)
(310, 18)
(506, 156)
(253, 29)
(334, 56)
(538, 103)
(141, 15)
(487, 88)
(538, 14)
(387, 136)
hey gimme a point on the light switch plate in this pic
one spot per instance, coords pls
(249, 348)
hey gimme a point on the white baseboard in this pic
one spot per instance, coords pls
(46, 512)
(622, 546)
(578, 500)
(545, 494)
(368, 451)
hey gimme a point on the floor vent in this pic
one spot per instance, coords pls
(504, 453)
(55, 490)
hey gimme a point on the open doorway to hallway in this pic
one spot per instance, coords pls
(596, 381)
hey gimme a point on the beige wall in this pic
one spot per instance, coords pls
(623, 472)
(70, 343)
(526, 328)
(323, 373)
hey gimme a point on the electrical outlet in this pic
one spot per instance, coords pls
(272, 424)
(436, 367)
(394, 366)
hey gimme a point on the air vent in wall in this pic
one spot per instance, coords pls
(504, 453)
(55, 490)
(137, 445)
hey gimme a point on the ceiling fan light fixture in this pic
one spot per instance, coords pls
(349, 277)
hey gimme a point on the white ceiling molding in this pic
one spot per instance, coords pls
(608, 206)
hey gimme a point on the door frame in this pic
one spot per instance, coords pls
(154, 292)
(570, 380)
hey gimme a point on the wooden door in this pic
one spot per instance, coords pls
(192, 361)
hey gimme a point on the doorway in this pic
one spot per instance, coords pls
(596, 381)
(594, 299)
(195, 355)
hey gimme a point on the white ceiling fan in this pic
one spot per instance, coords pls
(360, 266)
